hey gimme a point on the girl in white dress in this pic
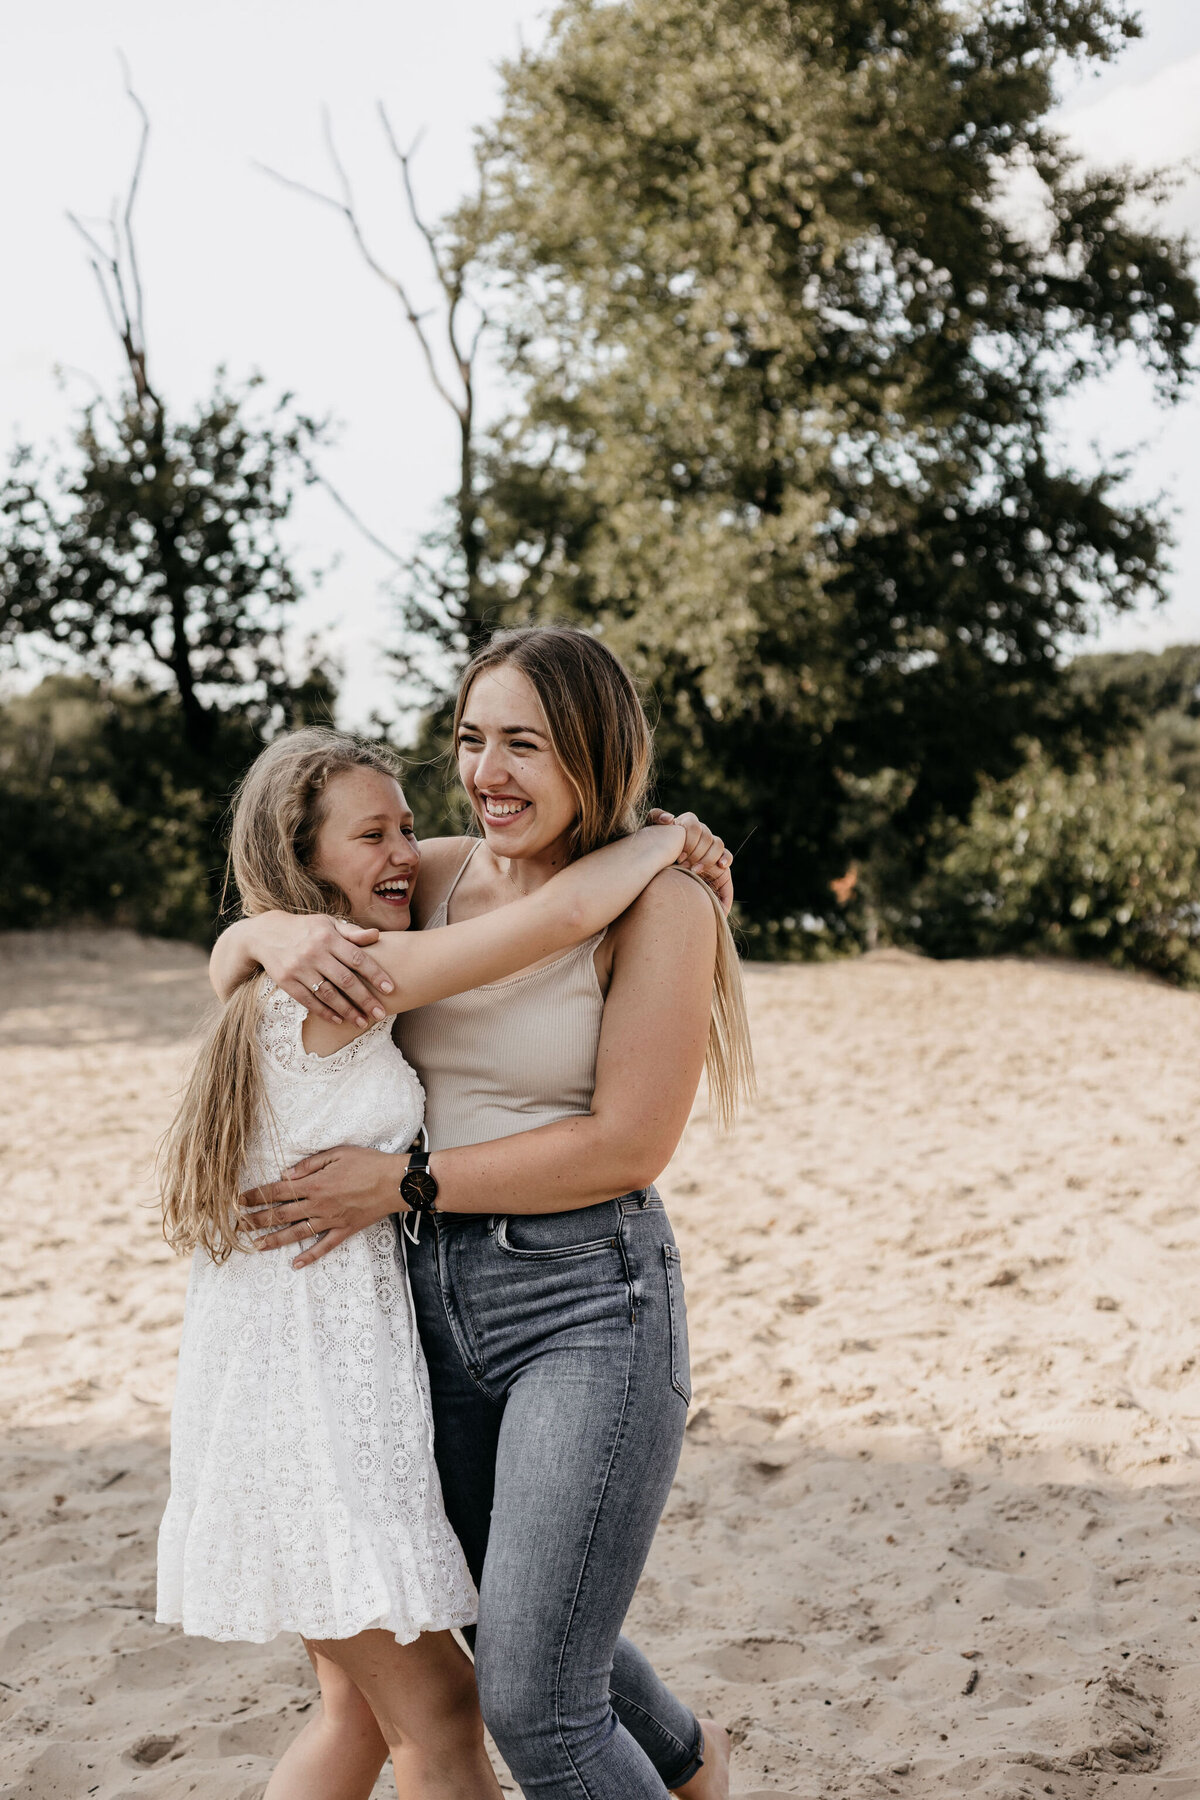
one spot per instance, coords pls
(304, 1494)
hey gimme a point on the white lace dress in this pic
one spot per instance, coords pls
(304, 1495)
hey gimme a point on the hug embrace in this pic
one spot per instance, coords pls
(434, 1370)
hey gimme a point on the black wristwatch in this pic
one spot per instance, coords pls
(418, 1184)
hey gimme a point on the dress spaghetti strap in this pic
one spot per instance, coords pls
(443, 905)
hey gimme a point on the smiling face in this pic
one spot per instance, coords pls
(367, 847)
(517, 787)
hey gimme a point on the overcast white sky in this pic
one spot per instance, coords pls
(239, 271)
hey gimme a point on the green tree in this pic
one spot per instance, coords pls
(152, 565)
(159, 552)
(789, 373)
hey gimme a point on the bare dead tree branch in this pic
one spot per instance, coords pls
(99, 398)
(99, 253)
(450, 280)
(322, 481)
(62, 370)
(403, 158)
(477, 337)
(445, 590)
(130, 243)
(346, 207)
(465, 599)
(130, 336)
(98, 272)
(109, 265)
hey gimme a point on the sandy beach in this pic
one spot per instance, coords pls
(937, 1526)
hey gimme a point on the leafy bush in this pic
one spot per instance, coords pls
(103, 814)
(1102, 860)
(1156, 693)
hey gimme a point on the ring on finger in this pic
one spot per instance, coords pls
(318, 985)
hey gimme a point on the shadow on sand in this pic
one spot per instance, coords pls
(92, 987)
(841, 1689)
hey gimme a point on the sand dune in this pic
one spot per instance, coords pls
(937, 1527)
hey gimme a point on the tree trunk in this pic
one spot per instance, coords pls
(197, 722)
(476, 596)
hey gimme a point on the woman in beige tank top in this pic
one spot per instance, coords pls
(551, 1313)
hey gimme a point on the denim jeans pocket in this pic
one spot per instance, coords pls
(681, 1368)
(542, 1237)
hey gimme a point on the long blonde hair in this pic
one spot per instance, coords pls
(277, 814)
(601, 736)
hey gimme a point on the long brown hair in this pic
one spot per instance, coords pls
(277, 814)
(602, 738)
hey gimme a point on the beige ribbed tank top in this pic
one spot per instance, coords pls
(506, 1057)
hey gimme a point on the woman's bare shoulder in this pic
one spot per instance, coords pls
(673, 902)
(440, 848)
(441, 859)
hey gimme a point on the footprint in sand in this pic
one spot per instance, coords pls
(758, 1659)
(150, 1750)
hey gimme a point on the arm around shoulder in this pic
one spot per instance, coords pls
(318, 960)
(648, 1065)
(232, 960)
(581, 898)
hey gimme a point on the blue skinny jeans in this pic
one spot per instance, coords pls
(558, 1363)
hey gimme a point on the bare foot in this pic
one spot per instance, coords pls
(712, 1781)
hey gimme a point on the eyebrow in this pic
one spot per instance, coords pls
(375, 818)
(508, 730)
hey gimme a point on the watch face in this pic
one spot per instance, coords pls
(419, 1187)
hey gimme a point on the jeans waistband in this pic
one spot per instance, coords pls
(639, 1200)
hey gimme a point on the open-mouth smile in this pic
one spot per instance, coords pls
(501, 809)
(392, 893)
